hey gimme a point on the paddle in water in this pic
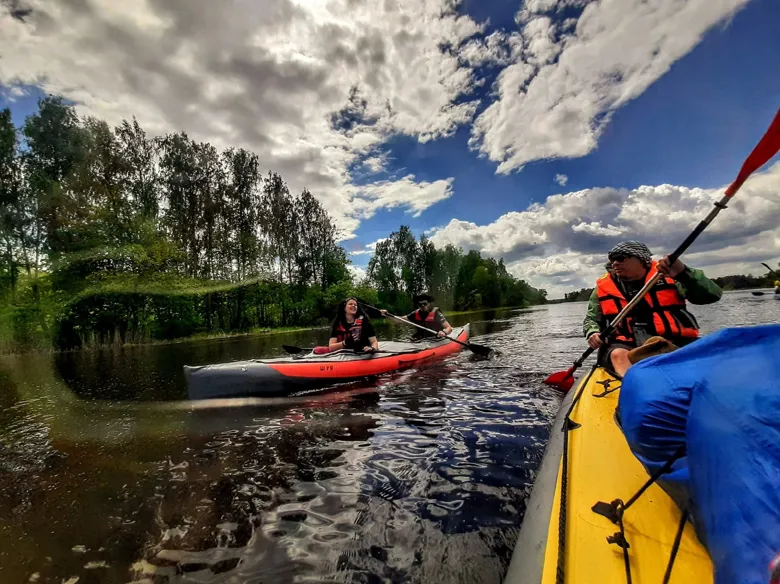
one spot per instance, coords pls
(480, 350)
(766, 149)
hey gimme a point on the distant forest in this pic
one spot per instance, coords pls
(736, 282)
(112, 236)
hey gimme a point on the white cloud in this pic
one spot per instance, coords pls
(12, 93)
(369, 249)
(491, 50)
(558, 95)
(358, 273)
(406, 192)
(561, 179)
(377, 163)
(275, 77)
(561, 245)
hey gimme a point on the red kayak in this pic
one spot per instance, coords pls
(262, 377)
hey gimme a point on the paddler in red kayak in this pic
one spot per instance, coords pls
(352, 329)
(427, 315)
(660, 319)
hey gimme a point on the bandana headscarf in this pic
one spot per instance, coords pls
(631, 249)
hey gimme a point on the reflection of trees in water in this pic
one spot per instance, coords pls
(400, 487)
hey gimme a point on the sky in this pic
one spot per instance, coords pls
(540, 131)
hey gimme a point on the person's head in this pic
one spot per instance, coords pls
(424, 302)
(630, 260)
(349, 307)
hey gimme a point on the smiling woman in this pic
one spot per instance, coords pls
(352, 329)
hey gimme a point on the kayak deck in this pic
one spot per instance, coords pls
(603, 468)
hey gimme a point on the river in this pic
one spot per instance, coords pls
(108, 474)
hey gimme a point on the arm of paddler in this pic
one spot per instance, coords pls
(335, 345)
(696, 287)
(593, 318)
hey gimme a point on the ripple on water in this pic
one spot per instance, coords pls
(418, 476)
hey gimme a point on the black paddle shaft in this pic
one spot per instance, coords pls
(479, 349)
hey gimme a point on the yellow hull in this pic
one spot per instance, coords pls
(601, 467)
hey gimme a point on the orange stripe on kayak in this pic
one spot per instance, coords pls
(373, 365)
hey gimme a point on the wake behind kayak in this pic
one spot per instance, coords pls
(286, 375)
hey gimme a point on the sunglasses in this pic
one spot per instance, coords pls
(422, 304)
(618, 257)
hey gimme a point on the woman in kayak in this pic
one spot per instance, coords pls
(352, 329)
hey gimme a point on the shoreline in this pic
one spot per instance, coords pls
(263, 332)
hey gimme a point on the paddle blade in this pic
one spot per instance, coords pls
(562, 380)
(480, 350)
(293, 350)
(764, 150)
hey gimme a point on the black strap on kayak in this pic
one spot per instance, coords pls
(676, 546)
(605, 384)
(615, 510)
(568, 424)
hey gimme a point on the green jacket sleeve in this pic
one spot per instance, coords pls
(593, 318)
(698, 288)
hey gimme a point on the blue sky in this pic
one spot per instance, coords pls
(692, 127)
(490, 104)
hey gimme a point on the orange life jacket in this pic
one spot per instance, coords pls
(429, 321)
(665, 304)
(354, 330)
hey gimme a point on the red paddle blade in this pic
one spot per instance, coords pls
(764, 150)
(562, 380)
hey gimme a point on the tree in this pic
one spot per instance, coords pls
(320, 261)
(276, 214)
(178, 172)
(13, 216)
(140, 154)
(55, 145)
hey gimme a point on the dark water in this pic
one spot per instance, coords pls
(108, 474)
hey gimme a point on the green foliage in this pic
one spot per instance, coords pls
(120, 237)
(581, 295)
(742, 282)
(109, 236)
(402, 267)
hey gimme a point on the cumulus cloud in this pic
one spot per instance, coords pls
(406, 192)
(358, 273)
(561, 179)
(561, 245)
(312, 87)
(564, 82)
(369, 249)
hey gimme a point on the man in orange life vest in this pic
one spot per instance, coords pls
(661, 313)
(427, 315)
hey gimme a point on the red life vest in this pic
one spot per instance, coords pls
(429, 320)
(354, 330)
(665, 304)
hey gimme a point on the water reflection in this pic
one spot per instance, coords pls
(106, 475)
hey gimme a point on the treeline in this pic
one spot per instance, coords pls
(402, 266)
(109, 235)
(742, 282)
(583, 294)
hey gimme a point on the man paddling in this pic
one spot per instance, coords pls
(427, 315)
(661, 316)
